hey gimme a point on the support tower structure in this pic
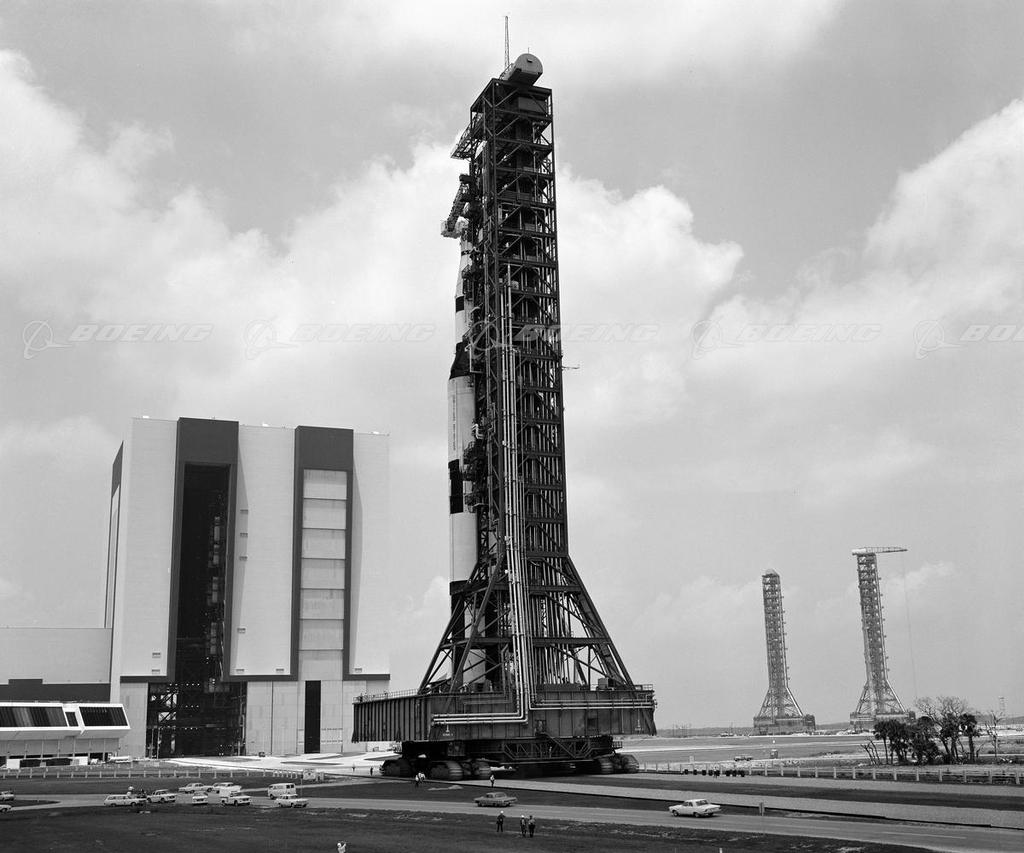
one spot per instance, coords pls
(878, 700)
(780, 712)
(525, 673)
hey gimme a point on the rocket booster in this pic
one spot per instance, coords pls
(461, 420)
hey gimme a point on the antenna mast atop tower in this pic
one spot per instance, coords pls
(506, 42)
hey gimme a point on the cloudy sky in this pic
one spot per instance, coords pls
(792, 244)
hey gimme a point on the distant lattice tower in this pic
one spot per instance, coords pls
(878, 701)
(780, 712)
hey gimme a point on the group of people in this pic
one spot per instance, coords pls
(526, 824)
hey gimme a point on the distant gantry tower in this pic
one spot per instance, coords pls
(780, 712)
(878, 701)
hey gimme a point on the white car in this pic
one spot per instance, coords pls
(225, 789)
(5, 807)
(236, 799)
(6, 796)
(192, 787)
(200, 798)
(162, 796)
(292, 802)
(695, 808)
(124, 800)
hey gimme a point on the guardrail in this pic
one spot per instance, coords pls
(125, 772)
(960, 775)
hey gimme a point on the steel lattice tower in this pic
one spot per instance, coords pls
(878, 700)
(780, 711)
(525, 654)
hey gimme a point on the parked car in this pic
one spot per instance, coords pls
(192, 787)
(292, 802)
(162, 795)
(224, 789)
(695, 808)
(281, 789)
(200, 798)
(236, 799)
(6, 796)
(743, 758)
(496, 798)
(124, 800)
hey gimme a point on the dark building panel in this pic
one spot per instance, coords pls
(34, 690)
(312, 717)
(197, 712)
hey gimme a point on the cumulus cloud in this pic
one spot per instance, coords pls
(726, 37)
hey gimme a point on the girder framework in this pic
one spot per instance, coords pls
(780, 708)
(878, 700)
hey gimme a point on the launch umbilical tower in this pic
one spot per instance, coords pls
(780, 712)
(525, 672)
(878, 701)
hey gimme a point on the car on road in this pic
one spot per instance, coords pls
(743, 758)
(695, 808)
(6, 796)
(224, 789)
(192, 787)
(292, 802)
(162, 795)
(496, 798)
(200, 798)
(236, 799)
(5, 807)
(124, 800)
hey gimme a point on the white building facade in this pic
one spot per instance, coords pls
(247, 580)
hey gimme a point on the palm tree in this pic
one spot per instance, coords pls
(970, 730)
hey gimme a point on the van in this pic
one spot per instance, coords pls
(123, 800)
(281, 789)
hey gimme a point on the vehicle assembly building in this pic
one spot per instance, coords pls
(245, 604)
(780, 712)
(878, 701)
(248, 571)
(525, 672)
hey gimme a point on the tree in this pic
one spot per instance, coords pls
(992, 730)
(945, 713)
(922, 740)
(899, 740)
(969, 729)
(881, 732)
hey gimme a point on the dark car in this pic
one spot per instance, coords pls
(496, 798)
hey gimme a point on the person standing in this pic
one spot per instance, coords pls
(532, 824)
(492, 780)
(522, 825)
(500, 822)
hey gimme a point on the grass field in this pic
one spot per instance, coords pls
(181, 827)
(177, 829)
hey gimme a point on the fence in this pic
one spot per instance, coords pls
(960, 775)
(143, 772)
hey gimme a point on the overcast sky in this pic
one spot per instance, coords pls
(792, 243)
